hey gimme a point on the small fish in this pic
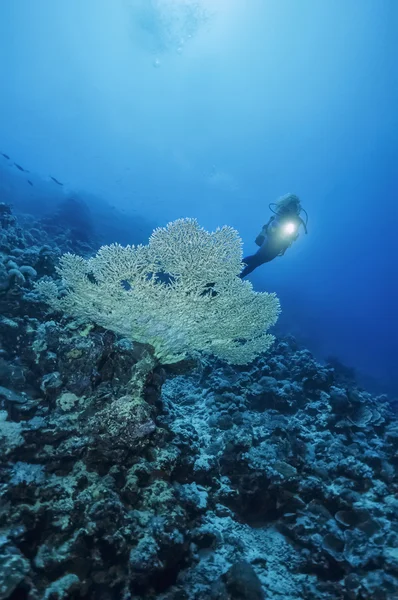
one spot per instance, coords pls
(56, 180)
(21, 168)
(30, 183)
(5, 155)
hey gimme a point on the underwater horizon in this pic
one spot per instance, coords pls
(198, 299)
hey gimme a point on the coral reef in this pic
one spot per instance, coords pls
(122, 480)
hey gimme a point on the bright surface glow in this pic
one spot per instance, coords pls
(289, 228)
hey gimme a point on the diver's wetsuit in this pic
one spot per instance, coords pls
(272, 242)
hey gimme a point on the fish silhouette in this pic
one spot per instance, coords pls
(56, 180)
(21, 168)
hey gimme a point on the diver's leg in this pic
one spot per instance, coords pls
(255, 260)
(251, 263)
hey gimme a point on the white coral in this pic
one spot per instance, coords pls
(182, 294)
(10, 432)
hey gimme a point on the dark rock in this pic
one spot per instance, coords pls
(242, 583)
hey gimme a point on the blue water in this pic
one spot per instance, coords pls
(153, 110)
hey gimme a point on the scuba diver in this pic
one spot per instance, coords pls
(278, 234)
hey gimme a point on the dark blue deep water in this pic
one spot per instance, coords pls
(167, 109)
(118, 117)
